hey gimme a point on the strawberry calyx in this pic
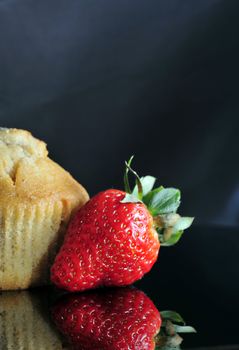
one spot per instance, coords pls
(161, 202)
(168, 337)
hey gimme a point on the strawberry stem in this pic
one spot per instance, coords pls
(126, 179)
(126, 175)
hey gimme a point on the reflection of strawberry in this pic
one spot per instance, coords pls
(117, 319)
(114, 239)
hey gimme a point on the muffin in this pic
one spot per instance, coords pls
(24, 323)
(37, 199)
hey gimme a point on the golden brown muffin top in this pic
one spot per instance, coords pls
(28, 175)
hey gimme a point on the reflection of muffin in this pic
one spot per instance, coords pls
(37, 198)
(24, 323)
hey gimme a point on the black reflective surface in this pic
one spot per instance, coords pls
(198, 278)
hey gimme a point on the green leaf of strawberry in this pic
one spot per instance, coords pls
(165, 201)
(148, 197)
(182, 224)
(172, 240)
(172, 234)
(171, 316)
(147, 183)
(184, 329)
(130, 198)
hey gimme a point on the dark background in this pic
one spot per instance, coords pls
(101, 80)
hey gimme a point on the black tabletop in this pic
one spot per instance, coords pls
(198, 278)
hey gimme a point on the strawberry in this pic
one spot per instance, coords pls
(116, 319)
(114, 239)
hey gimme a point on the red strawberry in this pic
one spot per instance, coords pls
(114, 239)
(119, 319)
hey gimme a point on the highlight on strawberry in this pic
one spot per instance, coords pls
(114, 239)
(120, 319)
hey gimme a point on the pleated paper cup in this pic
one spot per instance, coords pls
(23, 324)
(30, 236)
